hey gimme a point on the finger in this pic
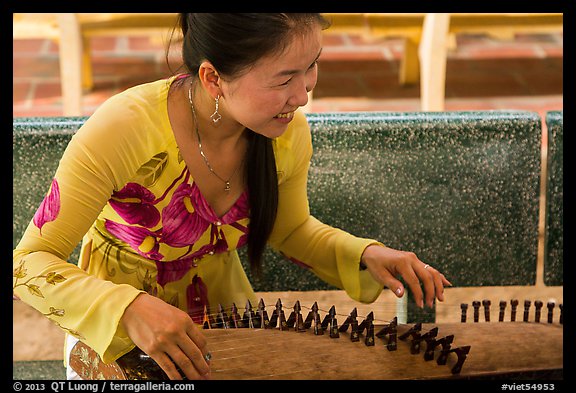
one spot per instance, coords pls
(439, 282)
(195, 346)
(193, 365)
(413, 282)
(167, 365)
(426, 274)
(389, 281)
(439, 287)
(195, 334)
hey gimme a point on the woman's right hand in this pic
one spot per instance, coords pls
(168, 335)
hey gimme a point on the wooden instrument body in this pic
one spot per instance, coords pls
(527, 349)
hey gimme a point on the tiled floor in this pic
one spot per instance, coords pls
(355, 74)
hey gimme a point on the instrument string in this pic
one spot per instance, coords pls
(245, 349)
(237, 344)
(493, 309)
(270, 309)
(292, 338)
(304, 311)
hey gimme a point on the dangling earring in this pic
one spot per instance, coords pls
(216, 116)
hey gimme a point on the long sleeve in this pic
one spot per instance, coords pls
(333, 254)
(90, 170)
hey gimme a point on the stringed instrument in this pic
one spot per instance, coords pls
(262, 343)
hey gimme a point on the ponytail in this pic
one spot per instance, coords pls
(262, 183)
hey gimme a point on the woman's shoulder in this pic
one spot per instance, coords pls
(137, 107)
(135, 118)
(145, 97)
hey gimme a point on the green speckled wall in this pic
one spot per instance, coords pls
(461, 189)
(554, 250)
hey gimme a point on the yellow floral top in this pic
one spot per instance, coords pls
(123, 189)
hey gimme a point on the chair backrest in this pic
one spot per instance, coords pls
(460, 189)
(554, 222)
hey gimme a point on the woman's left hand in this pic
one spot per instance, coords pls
(386, 264)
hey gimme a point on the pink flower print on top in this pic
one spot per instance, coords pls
(49, 208)
(169, 271)
(197, 299)
(135, 204)
(141, 240)
(244, 238)
(218, 238)
(182, 221)
(239, 211)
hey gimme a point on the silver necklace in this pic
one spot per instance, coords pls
(226, 182)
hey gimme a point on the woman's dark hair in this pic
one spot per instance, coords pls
(233, 43)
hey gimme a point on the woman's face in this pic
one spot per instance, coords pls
(264, 98)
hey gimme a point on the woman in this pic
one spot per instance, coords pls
(167, 180)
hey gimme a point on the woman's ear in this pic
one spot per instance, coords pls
(210, 79)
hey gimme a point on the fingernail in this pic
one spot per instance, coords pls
(399, 291)
(421, 303)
